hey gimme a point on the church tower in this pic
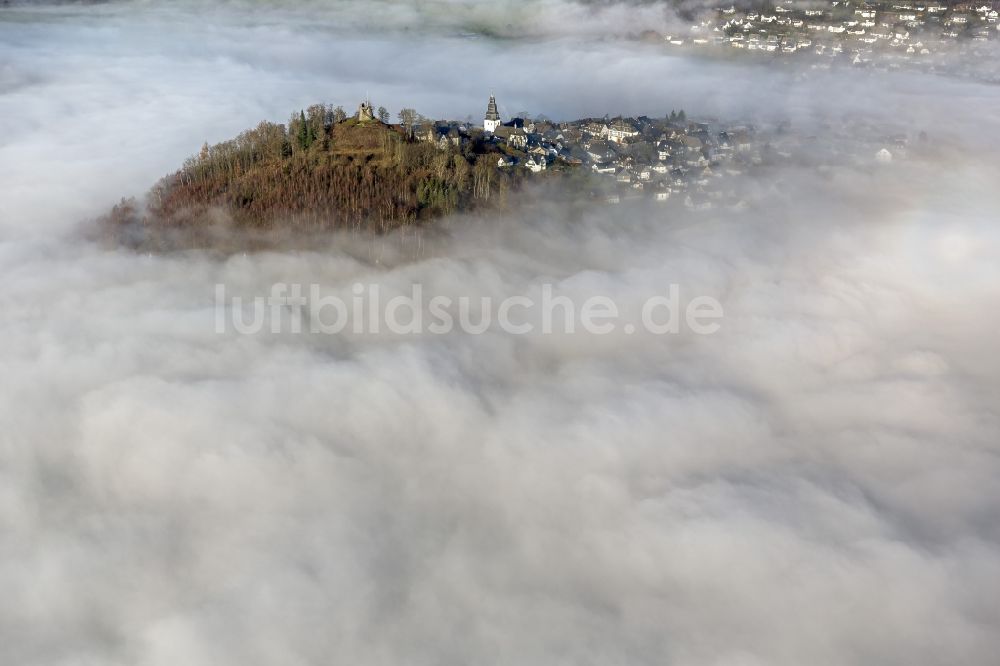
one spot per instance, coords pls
(492, 120)
(365, 111)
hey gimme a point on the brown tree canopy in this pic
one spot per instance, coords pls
(326, 172)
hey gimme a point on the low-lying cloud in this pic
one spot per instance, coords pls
(815, 483)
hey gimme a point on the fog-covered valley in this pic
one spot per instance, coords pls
(816, 482)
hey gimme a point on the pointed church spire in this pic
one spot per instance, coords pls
(491, 109)
(492, 119)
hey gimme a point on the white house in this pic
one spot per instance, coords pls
(619, 131)
(535, 164)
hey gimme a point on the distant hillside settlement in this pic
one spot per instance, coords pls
(928, 34)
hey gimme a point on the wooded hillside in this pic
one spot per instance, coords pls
(323, 172)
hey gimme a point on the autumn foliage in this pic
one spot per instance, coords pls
(322, 171)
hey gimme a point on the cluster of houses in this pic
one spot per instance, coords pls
(699, 165)
(656, 158)
(863, 31)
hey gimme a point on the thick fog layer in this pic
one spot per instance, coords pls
(817, 482)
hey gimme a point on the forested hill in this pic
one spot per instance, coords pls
(320, 173)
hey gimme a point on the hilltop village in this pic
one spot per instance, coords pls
(697, 163)
(644, 157)
(328, 170)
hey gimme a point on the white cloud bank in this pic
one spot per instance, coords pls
(817, 483)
